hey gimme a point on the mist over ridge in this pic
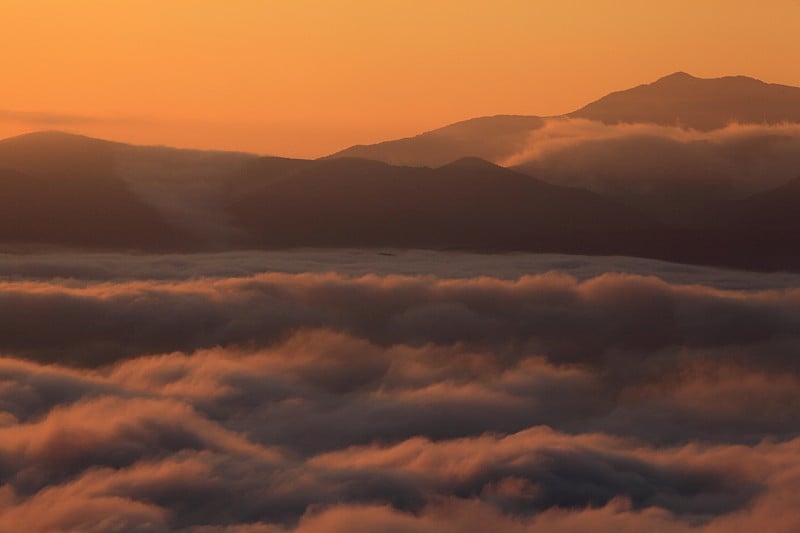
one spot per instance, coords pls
(614, 178)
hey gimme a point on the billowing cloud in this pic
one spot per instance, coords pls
(563, 133)
(679, 173)
(160, 444)
(109, 266)
(618, 315)
(281, 402)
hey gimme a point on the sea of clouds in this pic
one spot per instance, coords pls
(397, 391)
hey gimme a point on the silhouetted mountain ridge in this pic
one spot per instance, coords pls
(99, 193)
(704, 104)
(466, 204)
(679, 99)
(777, 208)
(596, 190)
(492, 138)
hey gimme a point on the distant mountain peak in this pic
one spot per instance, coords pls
(681, 99)
(51, 136)
(680, 78)
(677, 76)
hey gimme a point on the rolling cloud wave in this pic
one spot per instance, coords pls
(327, 402)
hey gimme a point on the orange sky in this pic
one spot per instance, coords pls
(307, 77)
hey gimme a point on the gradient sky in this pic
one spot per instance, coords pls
(308, 77)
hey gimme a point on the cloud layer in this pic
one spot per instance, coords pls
(280, 402)
(679, 173)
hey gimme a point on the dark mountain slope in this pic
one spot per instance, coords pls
(467, 204)
(61, 189)
(260, 172)
(777, 209)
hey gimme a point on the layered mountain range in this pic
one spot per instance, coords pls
(683, 169)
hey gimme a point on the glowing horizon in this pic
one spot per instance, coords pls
(310, 78)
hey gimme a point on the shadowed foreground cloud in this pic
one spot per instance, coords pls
(617, 315)
(175, 441)
(326, 402)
